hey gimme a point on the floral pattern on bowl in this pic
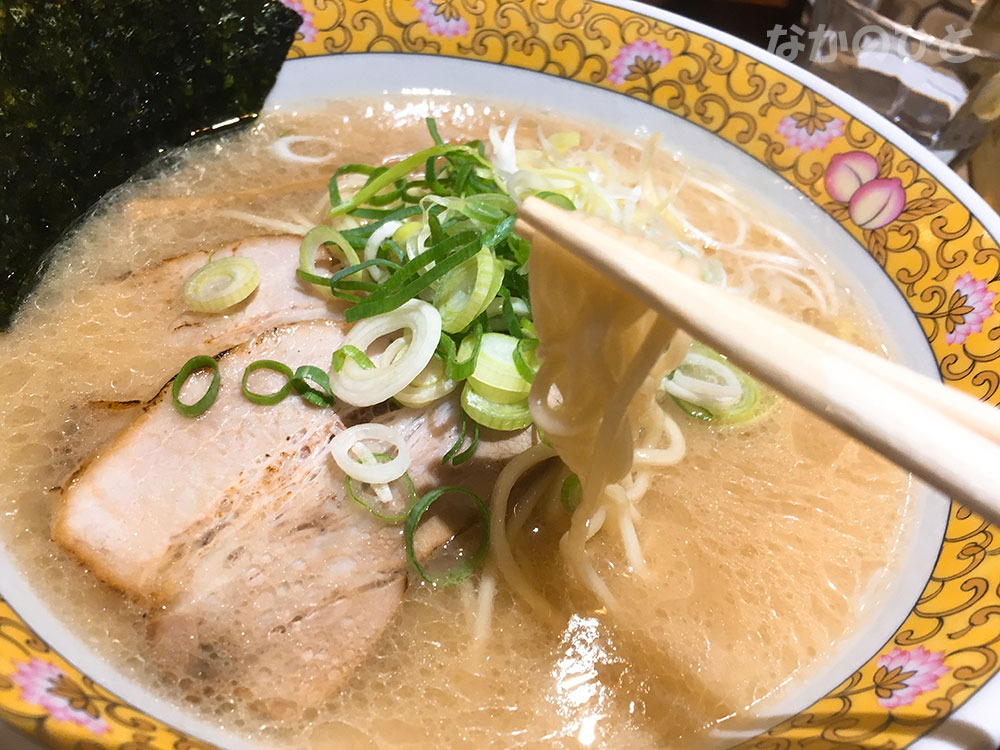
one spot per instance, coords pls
(937, 253)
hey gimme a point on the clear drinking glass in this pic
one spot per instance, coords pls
(942, 92)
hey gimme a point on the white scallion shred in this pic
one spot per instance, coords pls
(357, 460)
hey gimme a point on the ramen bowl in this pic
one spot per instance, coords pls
(921, 670)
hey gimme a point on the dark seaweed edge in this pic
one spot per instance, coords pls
(93, 90)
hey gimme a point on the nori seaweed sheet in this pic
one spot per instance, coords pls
(90, 90)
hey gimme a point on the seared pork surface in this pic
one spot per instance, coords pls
(164, 475)
(235, 527)
(289, 587)
(282, 298)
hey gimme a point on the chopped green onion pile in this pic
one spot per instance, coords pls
(439, 226)
(447, 236)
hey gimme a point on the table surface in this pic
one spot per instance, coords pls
(11, 739)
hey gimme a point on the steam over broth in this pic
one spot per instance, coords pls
(762, 545)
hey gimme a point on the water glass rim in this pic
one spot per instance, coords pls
(928, 39)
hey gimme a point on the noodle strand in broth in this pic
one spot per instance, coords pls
(707, 562)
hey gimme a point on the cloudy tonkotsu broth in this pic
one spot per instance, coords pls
(763, 544)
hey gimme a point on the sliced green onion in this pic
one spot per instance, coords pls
(340, 357)
(374, 505)
(322, 396)
(451, 222)
(199, 407)
(389, 176)
(489, 208)
(468, 566)
(469, 257)
(396, 249)
(479, 148)
(358, 236)
(410, 290)
(462, 176)
(571, 492)
(342, 278)
(414, 193)
(496, 416)
(299, 381)
(416, 327)
(220, 284)
(460, 363)
(368, 213)
(404, 285)
(434, 253)
(466, 291)
(460, 458)
(406, 231)
(432, 128)
(316, 238)
(356, 286)
(434, 185)
(315, 278)
(366, 170)
(371, 504)
(457, 445)
(455, 454)
(500, 232)
(354, 458)
(520, 249)
(267, 399)
(430, 385)
(749, 405)
(384, 199)
(556, 199)
(526, 358)
(693, 410)
(437, 233)
(517, 283)
(528, 329)
(497, 284)
(518, 307)
(496, 376)
(507, 309)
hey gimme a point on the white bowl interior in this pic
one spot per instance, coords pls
(372, 75)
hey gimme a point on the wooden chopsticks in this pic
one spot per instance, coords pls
(943, 436)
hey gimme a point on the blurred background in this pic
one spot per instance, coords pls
(930, 66)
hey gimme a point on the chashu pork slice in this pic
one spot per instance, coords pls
(165, 473)
(236, 530)
(280, 299)
(289, 588)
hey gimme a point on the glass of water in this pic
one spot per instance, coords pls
(939, 89)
